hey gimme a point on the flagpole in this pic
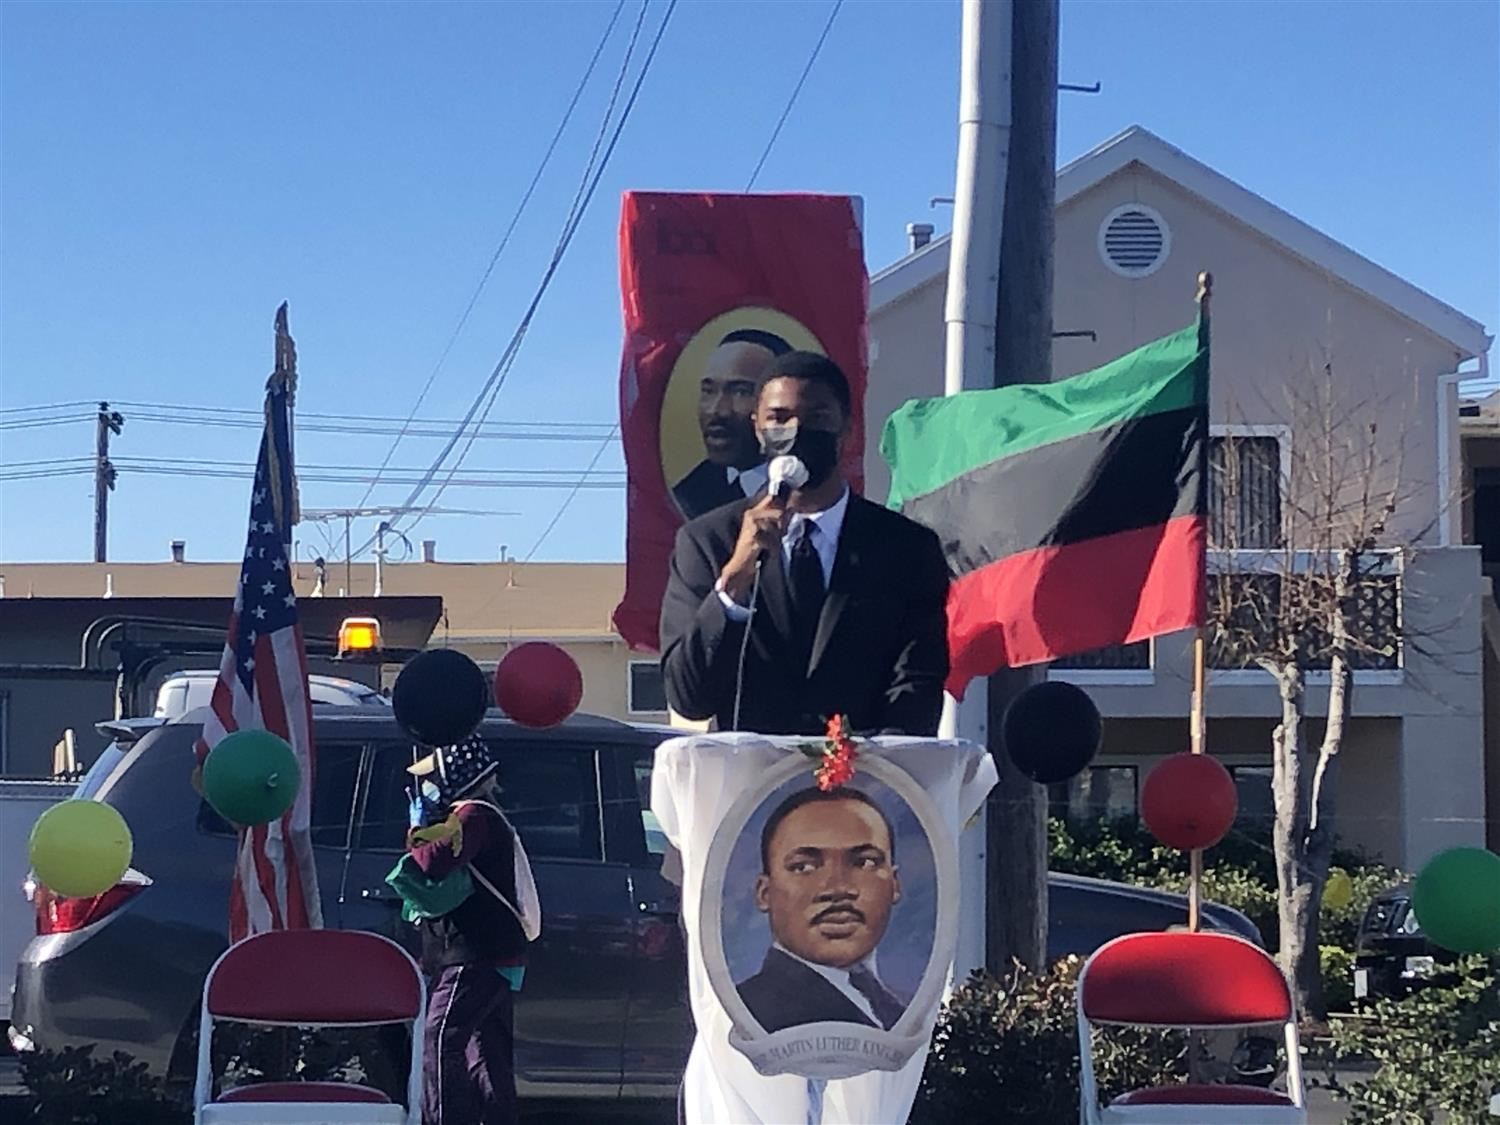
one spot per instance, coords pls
(1199, 714)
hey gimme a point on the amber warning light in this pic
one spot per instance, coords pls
(359, 635)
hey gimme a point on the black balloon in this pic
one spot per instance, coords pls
(440, 697)
(1052, 731)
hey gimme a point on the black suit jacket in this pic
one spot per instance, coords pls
(879, 654)
(705, 488)
(786, 993)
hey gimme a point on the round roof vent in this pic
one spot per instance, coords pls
(1134, 240)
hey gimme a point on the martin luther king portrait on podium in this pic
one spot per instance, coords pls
(828, 885)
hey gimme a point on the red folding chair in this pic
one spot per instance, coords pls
(310, 978)
(1196, 982)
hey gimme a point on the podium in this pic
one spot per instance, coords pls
(821, 922)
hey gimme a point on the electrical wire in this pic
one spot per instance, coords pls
(569, 498)
(497, 377)
(502, 369)
(504, 242)
(796, 90)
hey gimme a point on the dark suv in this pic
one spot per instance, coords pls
(1391, 955)
(604, 1013)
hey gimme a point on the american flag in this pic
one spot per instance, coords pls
(263, 679)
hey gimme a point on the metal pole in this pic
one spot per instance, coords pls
(1017, 830)
(348, 558)
(984, 120)
(108, 422)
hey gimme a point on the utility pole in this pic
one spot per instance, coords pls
(999, 331)
(1016, 847)
(984, 140)
(108, 422)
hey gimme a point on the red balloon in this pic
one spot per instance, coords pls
(1189, 801)
(538, 684)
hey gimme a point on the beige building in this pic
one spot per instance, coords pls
(487, 608)
(1136, 221)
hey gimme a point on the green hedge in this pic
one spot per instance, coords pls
(1239, 873)
(1007, 1050)
(1435, 1052)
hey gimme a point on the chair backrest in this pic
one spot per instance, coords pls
(1183, 980)
(314, 977)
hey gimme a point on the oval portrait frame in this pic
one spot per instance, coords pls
(832, 1049)
(679, 442)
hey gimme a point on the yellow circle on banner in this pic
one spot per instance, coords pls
(1338, 892)
(681, 438)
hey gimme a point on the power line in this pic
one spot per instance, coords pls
(502, 370)
(569, 498)
(497, 377)
(91, 405)
(504, 241)
(796, 90)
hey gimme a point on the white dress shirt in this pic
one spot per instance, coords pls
(750, 480)
(839, 978)
(830, 525)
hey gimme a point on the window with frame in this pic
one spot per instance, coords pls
(1257, 806)
(549, 793)
(1099, 793)
(1252, 607)
(332, 803)
(646, 693)
(1244, 491)
(1112, 658)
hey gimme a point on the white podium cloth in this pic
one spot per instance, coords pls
(702, 786)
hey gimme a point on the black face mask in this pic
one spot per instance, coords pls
(818, 450)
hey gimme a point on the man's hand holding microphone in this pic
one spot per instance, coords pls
(761, 529)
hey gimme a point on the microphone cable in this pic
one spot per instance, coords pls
(739, 671)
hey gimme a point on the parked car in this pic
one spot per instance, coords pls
(604, 1014)
(1391, 954)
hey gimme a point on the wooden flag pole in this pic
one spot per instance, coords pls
(1199, 713)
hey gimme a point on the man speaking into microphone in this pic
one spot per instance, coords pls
(806, 601)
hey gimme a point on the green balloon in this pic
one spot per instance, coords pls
(1457, 900)
(251, 777)
(79, 848)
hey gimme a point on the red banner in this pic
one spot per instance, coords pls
(715, 287)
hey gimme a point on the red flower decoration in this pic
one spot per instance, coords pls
(836, 759)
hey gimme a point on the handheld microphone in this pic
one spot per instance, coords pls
(785, 474)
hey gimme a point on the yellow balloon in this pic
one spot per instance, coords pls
(1338, 892)
(80, 848)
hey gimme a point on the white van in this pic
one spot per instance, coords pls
(185, 691)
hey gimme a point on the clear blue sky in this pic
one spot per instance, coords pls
(172, 171)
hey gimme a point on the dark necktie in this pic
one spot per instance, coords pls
(886, 1007)
(806, 578)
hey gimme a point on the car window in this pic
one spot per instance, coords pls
(635, 834)
(549, 793)
(333, 797)
(99, 772)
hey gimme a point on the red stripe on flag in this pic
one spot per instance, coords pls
(265, 874)
(1051, 602)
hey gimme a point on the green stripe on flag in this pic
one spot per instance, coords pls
(929, 442)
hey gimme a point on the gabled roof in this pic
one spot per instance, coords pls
(1140, 146)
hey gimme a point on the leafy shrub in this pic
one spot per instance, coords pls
(71, 1087)
(1013, 1043)
(1436, 1052)
(1239, 873)
(1337, 966)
